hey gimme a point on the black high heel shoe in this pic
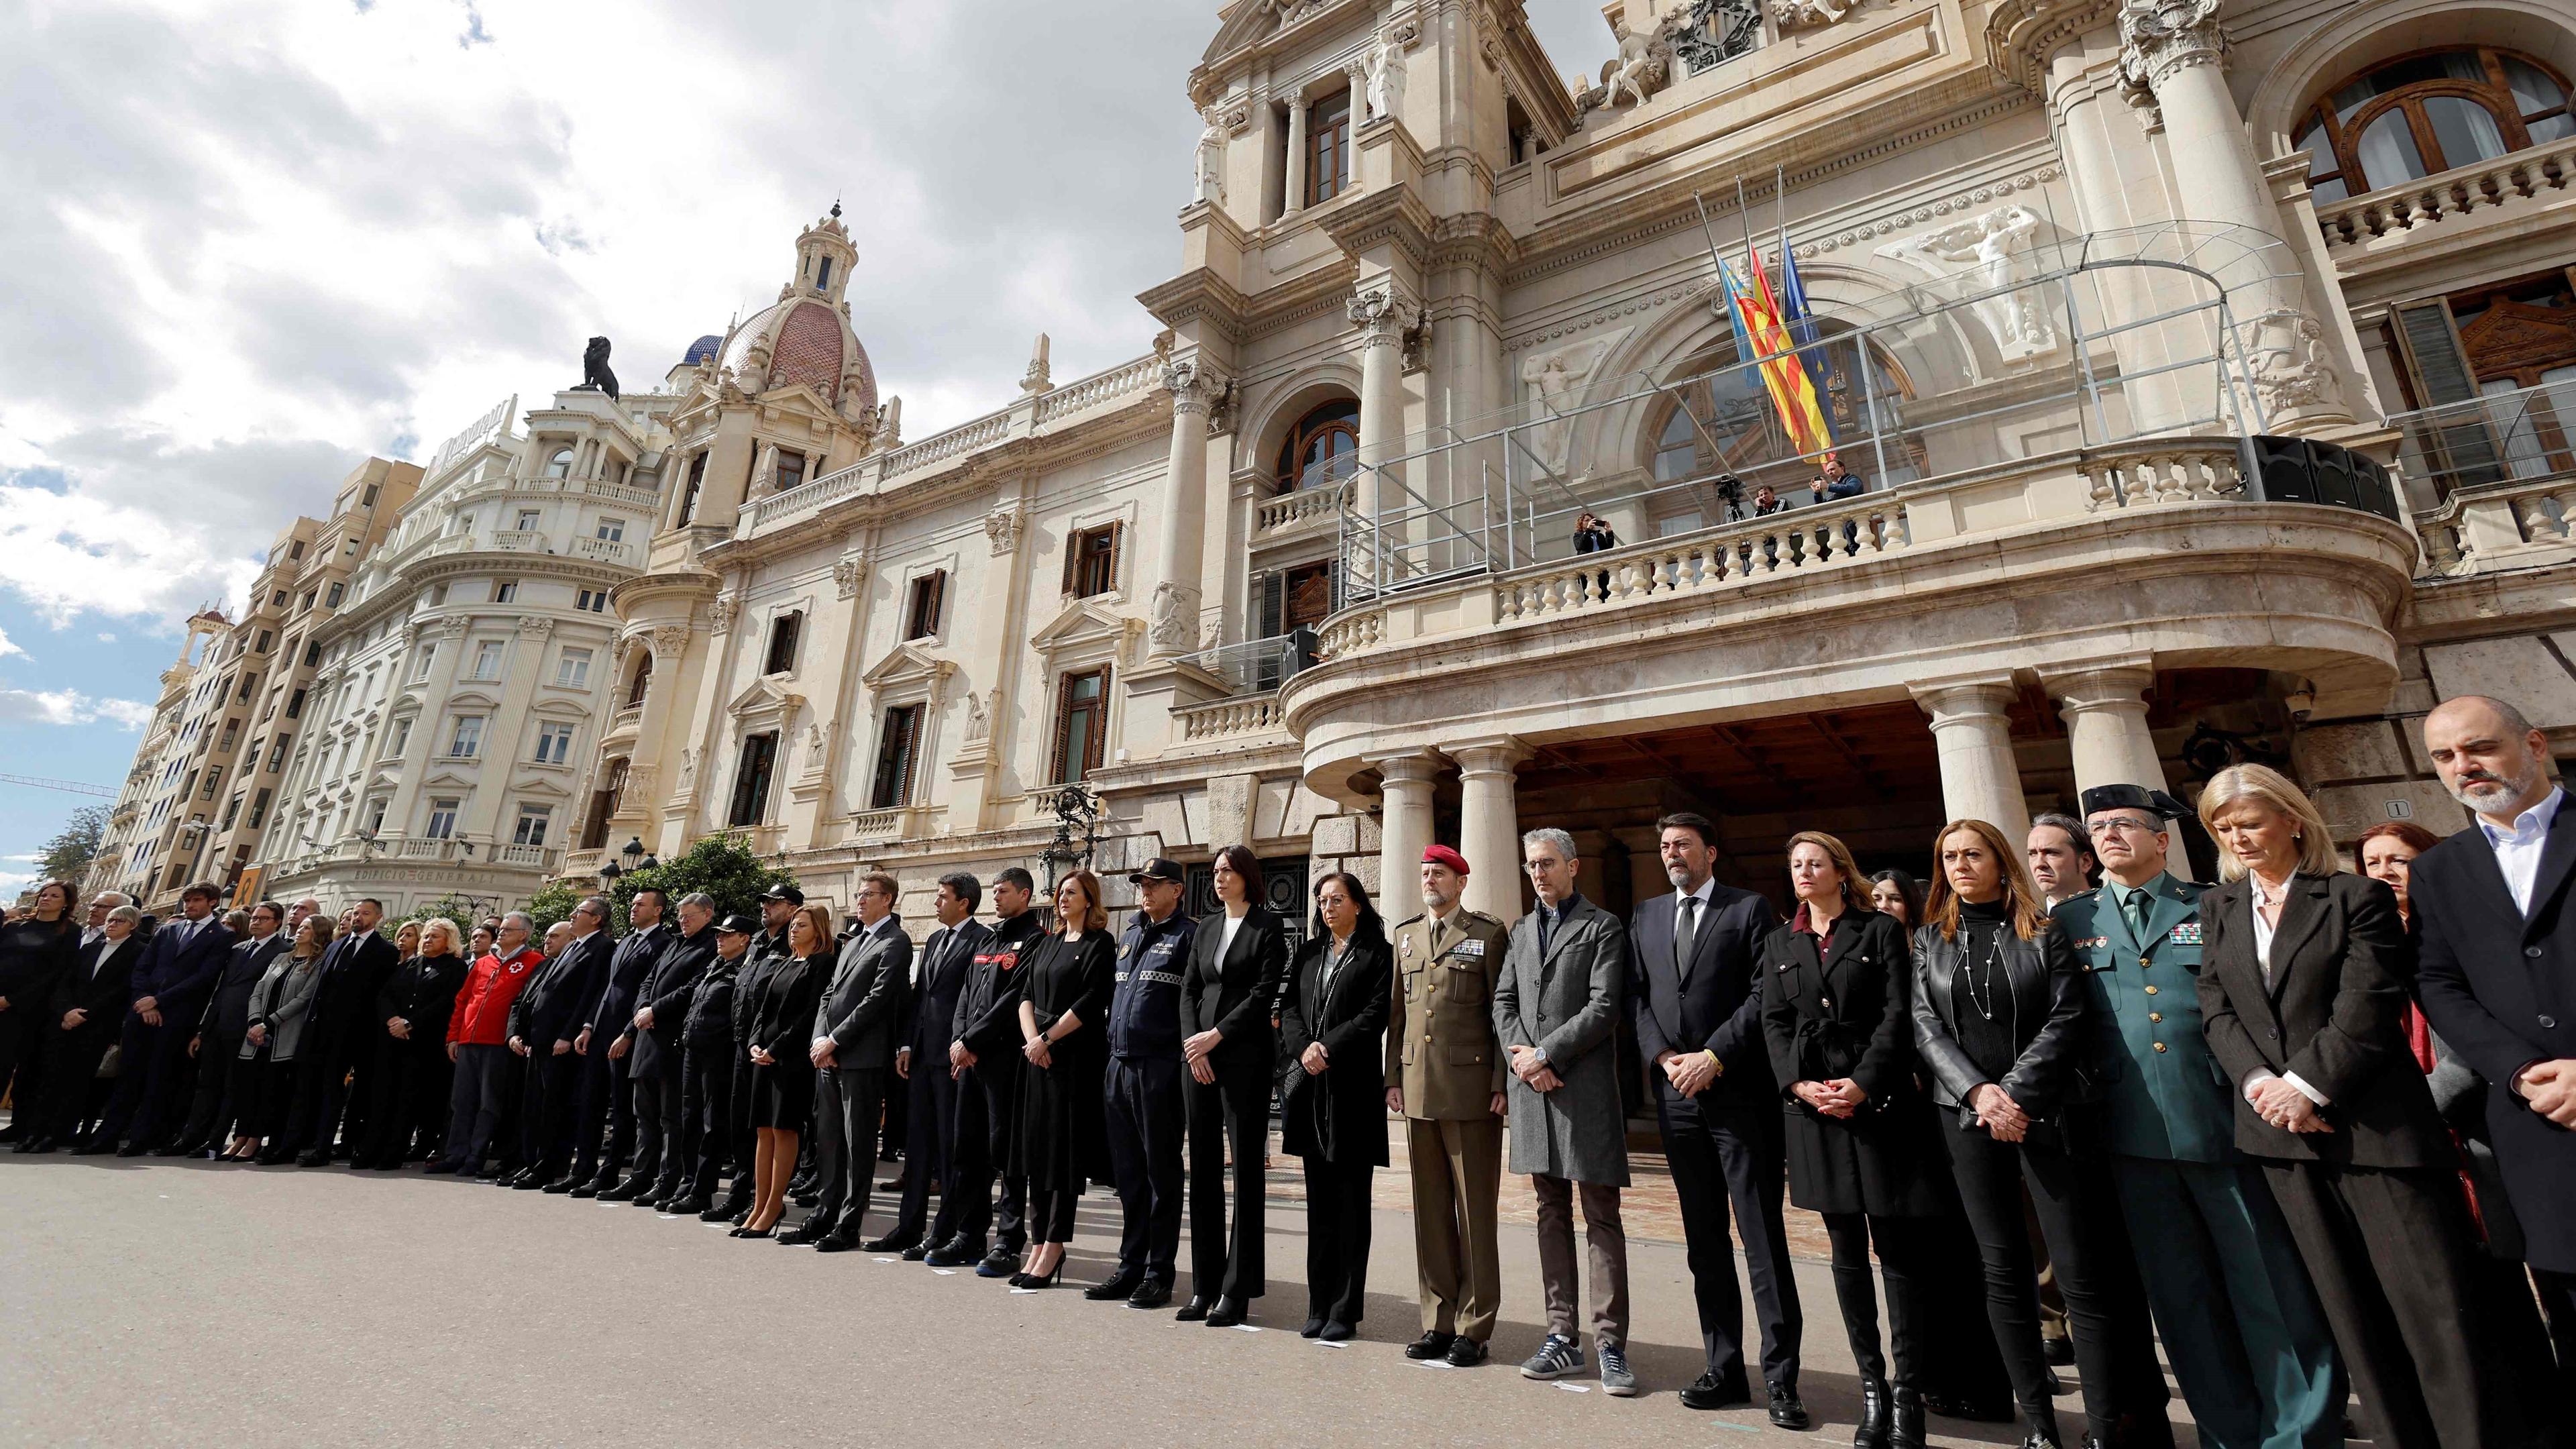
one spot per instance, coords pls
(747, 1232)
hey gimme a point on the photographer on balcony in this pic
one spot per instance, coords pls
(1591, 535)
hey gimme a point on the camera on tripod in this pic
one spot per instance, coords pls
(1730, 491)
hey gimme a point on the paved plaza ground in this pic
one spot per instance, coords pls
(162, 1302)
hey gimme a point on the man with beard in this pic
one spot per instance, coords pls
(340, 1033)
(171, 981)
(220, 1089)
(922, 1063)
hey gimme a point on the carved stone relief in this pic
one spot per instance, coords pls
(1985, 252)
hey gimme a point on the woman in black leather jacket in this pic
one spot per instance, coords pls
(1997, 1003)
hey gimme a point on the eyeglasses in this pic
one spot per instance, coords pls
(2120, 822)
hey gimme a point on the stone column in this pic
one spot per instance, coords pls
(2105, 711)
(1293, 198)
(506, 738)
(1980, 779)
(1173, 627)
(449, 634)
(1404, 828)
(1489, 823)
(1358, 72)
(1382, 311)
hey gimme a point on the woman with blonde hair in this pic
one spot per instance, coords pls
(1997, 1005)
(2303, 994)
(275, 1044)
(1063, 1143)
(414, 1075)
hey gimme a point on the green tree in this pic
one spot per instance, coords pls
(71, 850)
(456, 908)
(548, 906)
(724, 866)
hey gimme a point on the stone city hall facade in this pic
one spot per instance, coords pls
(2210, 369)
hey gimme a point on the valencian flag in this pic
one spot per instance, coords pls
(1758, 320)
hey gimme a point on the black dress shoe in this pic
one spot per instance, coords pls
(1194, 1310)
(915, 1253)
(1432, 1344)
(838, 1243)
(1314, 1327)
(955, 1253)
(714, 1214)
(621, 1192)
(657, 1200)
(1788, 1411)
(94, 1149)
(1874, 1428)
(529, 1181)
(999, 1262)
(1711, 1391)
(2060, 1350)
(565, 1184)
(1117, 1285)
(1153, 1292)
(2039, 1436)
(131, 1149)
(1226, 1312)
(274, 1157)
(314, 1159)
(1905, 1420)
(1336, 1331)
(443, 1165)
(890, 1243)
(892, 1184)
(41, 1145)
(1465, 1352)
(805, 1233)
(173, 1149)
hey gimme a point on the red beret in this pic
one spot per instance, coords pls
(1443, 855)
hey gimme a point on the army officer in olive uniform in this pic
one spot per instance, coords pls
(2239, 1320)
(1444, 1075)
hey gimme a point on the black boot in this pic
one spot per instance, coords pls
(1905, 1421)
(1873, 1430)
(2040, 1433)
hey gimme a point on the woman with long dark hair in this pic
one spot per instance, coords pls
(782, 1067)
(34, 953)
(1996, 1011)
(1860, 1134)
(1237, 957)
(1063, 1141)
(1332, 1112)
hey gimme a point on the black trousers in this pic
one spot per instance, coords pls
(847, 1106)
(153, 1077)
(549, 1106)
(22, 1036)
(1905, 1247)
(896, 1137)
(323, 1091)
(2389, 1252)
(661, 1129)
(607, 1105)
(2558, 1306)
(217, 1105)
(71, 1060)
(1051, 1215)
(1234, 1108)
(279, 1085)
(1337, 1239)
(412, 1082)
(1144, 1111)
(2079, 1214)
(979, 1151)
(1726, 1155)
(739, 1195)
(707, 1118)
(477, 1098)
(928, 1121)
(1960, 1362)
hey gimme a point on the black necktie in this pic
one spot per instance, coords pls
(1685, 930)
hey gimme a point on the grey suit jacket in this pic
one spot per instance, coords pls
(282, 999)
(862, 1005)
(1565, 1002)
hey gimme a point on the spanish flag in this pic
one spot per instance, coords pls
(1793, 392)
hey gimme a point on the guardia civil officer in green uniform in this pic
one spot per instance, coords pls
(1444, 1076)
(2240, 1322)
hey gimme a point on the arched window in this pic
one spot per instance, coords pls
(643, 681)
(1323, 448)
(1720, 420)
(2426, 113)
(559, 463)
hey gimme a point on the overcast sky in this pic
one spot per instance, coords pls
(250, 242)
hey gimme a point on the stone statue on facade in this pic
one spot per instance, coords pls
(595, 376)
(1211, 159)
(1638, 70)
(2287, 361)
(1385, 77)
(976, 724)
(1985, 250)
(1173, 625)
(1806, 14)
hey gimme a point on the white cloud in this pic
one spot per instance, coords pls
(70, 707)
(7, 648)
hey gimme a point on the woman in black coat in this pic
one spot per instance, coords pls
(1333, 1109)
(1062, 1145)
(782, 1063)
(1860, 1135)
(1997, 1006)
(414, 1074)
(34, 953)
(1238, 957)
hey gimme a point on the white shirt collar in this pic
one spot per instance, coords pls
(1707, 888)
(2529, 823)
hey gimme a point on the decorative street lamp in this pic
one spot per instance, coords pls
(634, 848)
(609, 873)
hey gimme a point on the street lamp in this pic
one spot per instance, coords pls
(650, 864)
(634, 849)
(610, 872)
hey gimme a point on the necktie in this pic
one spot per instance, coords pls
(2134, 906)
(1685, 931)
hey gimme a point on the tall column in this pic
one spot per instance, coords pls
(1489, 823)
(1293, 199)
(1980, 780)
(1404, 828)
(449, 634)
(1382, 311)
(2106, 724)
(1173, 626)
(504, 736)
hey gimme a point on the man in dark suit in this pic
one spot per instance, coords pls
(706, 1072)
(985, 1052)
(2498, 973)
(170, 984)
(606, 1040)
(930, 1012)
(543, 1022)
(651, 1033)
(219, 1033)
(854, 1041)
(89, 1004)
(768, 948)
(1697, 1010)
(340, 1030)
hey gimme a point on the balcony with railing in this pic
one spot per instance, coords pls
(2518, 185)
(2492, 480)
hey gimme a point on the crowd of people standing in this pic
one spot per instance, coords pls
(2310, 1128)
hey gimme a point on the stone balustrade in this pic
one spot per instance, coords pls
(2390, 213)
(2510, 525)
(1228, 718)
(608, 551)
(879, 824)
(1289, 510)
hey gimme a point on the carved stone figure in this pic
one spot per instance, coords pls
(1174, 618)
(720, 613)
(889, 430)
(2287, 362)
(1211, 159)
(754, 375)
(1554, 381)
(1983, 249)
(688, 766)
(1002, 526)
(1803, 14)
(1039, 377)
(1385, 77)
(976, 723)
(2159, 37)
(595, 376)
(850, 574)
(1639, 70)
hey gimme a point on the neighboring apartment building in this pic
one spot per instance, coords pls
(149, 838)
(458, 690)
(1301, 576)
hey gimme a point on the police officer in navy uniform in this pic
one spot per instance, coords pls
(1144, 1090)
(986, 1058)
(2240, 1322)
(778, 904)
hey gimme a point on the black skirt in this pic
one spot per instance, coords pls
(782, 1096)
